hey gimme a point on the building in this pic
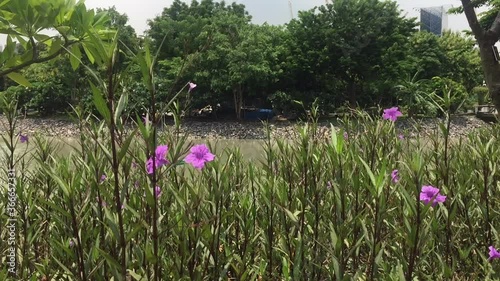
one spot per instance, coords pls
(434, 20)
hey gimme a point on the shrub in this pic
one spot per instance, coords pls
(482, 94)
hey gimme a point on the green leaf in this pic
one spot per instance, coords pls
(41, 37)
(122, 103)
(135, 275)
(19, 79)
(125, 146)
(63, 266)
(370, 174)
(111, 261)
(145, 130)
(100, 103)
(55, 46)
(75, 57)
(291, 215)
(88, 52)
(64, 187)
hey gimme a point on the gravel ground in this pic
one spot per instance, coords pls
(461, 126)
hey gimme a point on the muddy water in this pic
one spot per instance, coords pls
(250, 149)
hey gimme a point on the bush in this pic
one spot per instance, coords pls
(447, 94)
(283, 103)
(482, 94)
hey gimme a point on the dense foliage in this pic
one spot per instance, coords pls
(350, 53)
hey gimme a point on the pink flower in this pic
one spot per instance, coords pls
(23, 138)
(494, 254)
(200, 154)
(392, 114)
(103, 203)
(149, 166)
(103, 178)
(191, 86)
(160, 159)
(401, 137)
(346, 136)
(430, 194)
(157, 191)
(161, 155)
(395, 176)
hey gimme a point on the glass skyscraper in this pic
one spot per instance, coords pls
(433, 19)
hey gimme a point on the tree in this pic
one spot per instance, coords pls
(425, 55)
(27, 21)
(186, 28)
(486, 35)
(230, 59)
(249, 66)
(462, 63)
(349, 45)
(54, 86)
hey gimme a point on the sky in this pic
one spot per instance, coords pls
(270, 11)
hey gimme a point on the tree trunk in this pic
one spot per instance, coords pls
(486, 39)
(238, 101)
(491, 70)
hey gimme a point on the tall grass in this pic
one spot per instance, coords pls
(316, 208)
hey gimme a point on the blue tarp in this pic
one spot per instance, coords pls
(260, 114)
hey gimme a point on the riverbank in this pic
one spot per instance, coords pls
(460, 126)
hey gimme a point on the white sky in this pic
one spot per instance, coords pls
(271, 11)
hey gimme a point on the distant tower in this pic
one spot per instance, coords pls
(291, 10)
(434, 20)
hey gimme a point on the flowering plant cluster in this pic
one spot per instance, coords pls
(200, 154)
(428, 194)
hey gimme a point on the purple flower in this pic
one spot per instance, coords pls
(149, 166)
(392, 114)
(329, 185)
(161, 155)
(157, 191)
(401, 137)
(160, 158)
(395, 176)
(494, 254)
(346, 136)
(103, 178)
(23, 138)
(200, 154)
(431, 194)
(134, 165)
(103, 203)
(71, 243)
(191, 86)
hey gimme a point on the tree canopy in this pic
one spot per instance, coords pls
(350, 53)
